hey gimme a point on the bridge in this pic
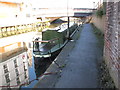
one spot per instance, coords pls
(62, 12)
(33, 23)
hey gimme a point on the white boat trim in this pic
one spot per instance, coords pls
(45, 56)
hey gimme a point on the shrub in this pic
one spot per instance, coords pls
(99, 12)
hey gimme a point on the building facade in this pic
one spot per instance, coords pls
(14, 69)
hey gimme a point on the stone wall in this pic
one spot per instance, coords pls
(112, 41)
(99, 22)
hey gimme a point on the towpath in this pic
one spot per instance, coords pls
(80, 59)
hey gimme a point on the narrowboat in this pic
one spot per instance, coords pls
(53, 40)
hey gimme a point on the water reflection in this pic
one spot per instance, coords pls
(18, 68)
(40, 67)
(14, 71)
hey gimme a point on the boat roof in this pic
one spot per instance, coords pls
(52, 29)
(65, 26)
(60, 28)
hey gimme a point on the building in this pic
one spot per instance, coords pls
(13, 65)
(14, 9)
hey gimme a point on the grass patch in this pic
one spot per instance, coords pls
(99, 35)
(104, 76)
(105, 79)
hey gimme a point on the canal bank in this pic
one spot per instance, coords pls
(78, 63)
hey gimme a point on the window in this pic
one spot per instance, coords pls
(24, 69)
(17, 72)
(18, 80)
(5, 68)
(7, 78)
(15, 63)
(25, 76)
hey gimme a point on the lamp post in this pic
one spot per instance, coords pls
(93, 5)
(68, 33)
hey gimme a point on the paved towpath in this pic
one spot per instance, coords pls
(81, 69)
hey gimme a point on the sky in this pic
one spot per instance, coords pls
(60, 3)
(64, 3)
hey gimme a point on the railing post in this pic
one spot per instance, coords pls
(68, 33)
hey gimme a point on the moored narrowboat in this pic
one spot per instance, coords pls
(53, 40)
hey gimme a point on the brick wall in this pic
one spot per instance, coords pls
(112, 41)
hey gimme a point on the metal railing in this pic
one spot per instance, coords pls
(6, 31)
(45, 46)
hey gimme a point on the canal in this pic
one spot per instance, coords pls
(36, 70)
(18, 66)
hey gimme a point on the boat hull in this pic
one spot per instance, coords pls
(43, 61)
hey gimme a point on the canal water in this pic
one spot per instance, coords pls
(20, 69)
(35, 69)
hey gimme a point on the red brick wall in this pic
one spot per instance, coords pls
(112, 41)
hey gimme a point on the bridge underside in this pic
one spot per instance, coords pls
(54, 17)
(82, 14)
